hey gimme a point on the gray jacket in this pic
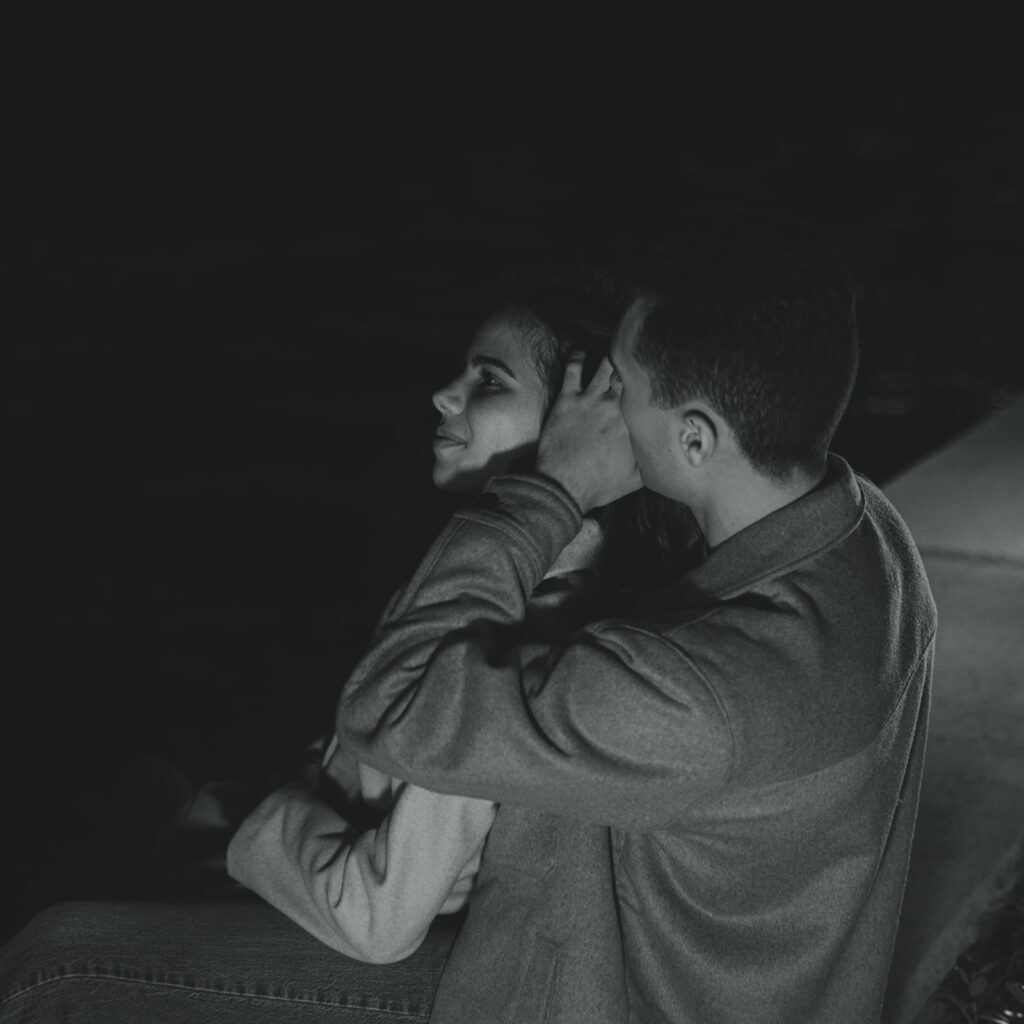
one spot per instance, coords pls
(706, 806)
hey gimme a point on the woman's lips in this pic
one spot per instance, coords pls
(443, 440)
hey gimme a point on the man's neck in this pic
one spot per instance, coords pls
(749, 496)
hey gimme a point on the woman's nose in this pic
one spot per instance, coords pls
(447, 400)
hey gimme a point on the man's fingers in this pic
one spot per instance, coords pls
(602, 377)
(572, 381)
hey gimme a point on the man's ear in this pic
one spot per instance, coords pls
(698, 436)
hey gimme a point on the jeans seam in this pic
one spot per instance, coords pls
(86, 975)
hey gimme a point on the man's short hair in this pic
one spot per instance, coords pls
(756, 318)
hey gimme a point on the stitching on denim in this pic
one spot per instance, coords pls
(93, 976)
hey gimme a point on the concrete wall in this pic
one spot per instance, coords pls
(965, 507)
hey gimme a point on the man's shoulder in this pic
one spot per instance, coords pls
(883, 546)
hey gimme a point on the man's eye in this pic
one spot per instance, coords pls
(489, 382)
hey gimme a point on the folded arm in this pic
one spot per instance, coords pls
(370, 895)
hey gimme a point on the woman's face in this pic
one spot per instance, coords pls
(492, 412)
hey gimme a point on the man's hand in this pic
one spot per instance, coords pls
(584, 444)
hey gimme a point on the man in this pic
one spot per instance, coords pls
(707, 805)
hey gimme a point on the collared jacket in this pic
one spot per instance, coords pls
(707, 805)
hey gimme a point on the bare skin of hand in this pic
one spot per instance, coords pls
(584, 444)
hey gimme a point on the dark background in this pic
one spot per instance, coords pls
(250, 242)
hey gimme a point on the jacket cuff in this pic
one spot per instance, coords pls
(537, 507)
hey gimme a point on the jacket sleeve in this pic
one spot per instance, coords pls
(369, 895)
(613, 725)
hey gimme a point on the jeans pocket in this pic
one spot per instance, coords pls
(538, 986)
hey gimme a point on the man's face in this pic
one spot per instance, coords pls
(653, 432)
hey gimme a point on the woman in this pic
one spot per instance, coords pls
(364, 863)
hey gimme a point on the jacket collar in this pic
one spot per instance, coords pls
(769, 546)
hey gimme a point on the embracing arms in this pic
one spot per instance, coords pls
(613, 725)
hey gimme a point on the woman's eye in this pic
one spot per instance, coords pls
(489, 382)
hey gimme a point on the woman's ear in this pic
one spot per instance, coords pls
(698, 436)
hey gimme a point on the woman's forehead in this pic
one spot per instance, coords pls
(503, 339)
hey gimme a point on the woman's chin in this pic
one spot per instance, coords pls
(456, 483)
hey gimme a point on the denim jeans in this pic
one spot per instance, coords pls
(234, 960)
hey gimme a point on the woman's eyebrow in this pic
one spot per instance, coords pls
(482, 360)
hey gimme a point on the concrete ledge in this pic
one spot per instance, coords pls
(965, 508)
(968, 498)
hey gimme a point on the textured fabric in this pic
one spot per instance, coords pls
(231, 962)
(369, 895)
(706, 807)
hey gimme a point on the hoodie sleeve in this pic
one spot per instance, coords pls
(370, 895)
(612, 724)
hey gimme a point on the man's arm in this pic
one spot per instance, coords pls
(614, 725)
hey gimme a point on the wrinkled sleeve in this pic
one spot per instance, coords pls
(614, 725)
(373, 894)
